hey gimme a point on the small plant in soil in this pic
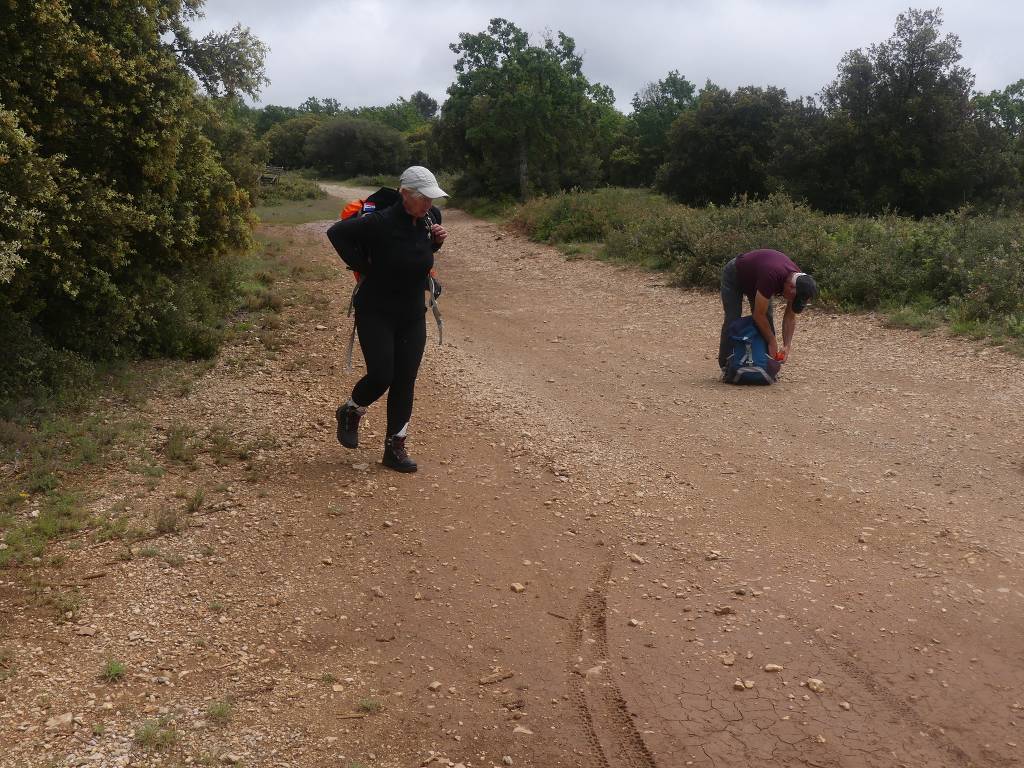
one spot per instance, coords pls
(369, 706)
(113, 671)
(167, 521)
(155, 735)
(220, 711)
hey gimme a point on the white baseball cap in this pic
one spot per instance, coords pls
(423, 181)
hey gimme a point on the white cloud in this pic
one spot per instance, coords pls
(364, 53)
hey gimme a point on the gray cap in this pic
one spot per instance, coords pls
(423, 181)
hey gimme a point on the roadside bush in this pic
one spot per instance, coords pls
(289, 186)
(346, 146)
(122, 191)
(970, 265)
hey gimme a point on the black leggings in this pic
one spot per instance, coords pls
(392, 348)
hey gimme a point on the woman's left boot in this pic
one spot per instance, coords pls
(395, 455)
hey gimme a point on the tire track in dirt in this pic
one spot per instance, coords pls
(601, 705)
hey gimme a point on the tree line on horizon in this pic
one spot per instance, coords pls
(900, 129)
(129, 160)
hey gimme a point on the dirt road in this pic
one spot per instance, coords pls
(607, 558)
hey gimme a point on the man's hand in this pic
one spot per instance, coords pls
(773, 347)
(439, 233)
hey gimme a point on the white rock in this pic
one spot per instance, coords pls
(816, 685)
(517, 587)
(435, 686)
(773, 667)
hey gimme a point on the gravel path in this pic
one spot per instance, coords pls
(607, 558)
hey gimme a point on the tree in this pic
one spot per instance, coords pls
(272, 115)
(655, 108)
(723, 146)
(225, 63)
(314, 106)
(1003, 109)
(902, 119)
(521, 117)
(424, 105)
(347, 146)
(286, 141)
(124, 213)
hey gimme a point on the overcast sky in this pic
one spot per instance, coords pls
(368, 53)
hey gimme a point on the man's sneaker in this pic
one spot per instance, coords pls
(396, 457)
(348, 425)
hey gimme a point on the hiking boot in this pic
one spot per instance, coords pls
(348, 425)
(396, 457)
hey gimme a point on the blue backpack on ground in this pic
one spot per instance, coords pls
(749, 362)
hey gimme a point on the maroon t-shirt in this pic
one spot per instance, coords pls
(764, 271)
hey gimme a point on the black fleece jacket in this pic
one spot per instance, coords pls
(395, 254)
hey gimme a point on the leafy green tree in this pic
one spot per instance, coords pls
(271, 115)
(347, 146)
(314, 106)
(27, 185)
(225, 63)
(227, 123)
(903, 125)
(401, 115)
(425, 106)
(655, 107)
(1003, 109)
(521, 118)
(723, 146)
(125, 213)
(286, 141)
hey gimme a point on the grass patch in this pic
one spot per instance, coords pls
(300, 211)
(194, 501)
(113, 671)
(223, 446)
(26, 537)
(155, 735)
(921, 315)
(369, 706)
(65, 605)
(290, 187)
(148, 552)
(179, 446)
(220, 712)
(167, 521)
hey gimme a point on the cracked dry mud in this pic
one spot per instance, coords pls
(858, 524)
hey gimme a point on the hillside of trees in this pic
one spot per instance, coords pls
(129, 158)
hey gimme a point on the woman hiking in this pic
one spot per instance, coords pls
(393, 251)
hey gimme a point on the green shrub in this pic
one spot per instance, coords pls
(347, 146)
(289, 186)
(122, 193)
(969, 267)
